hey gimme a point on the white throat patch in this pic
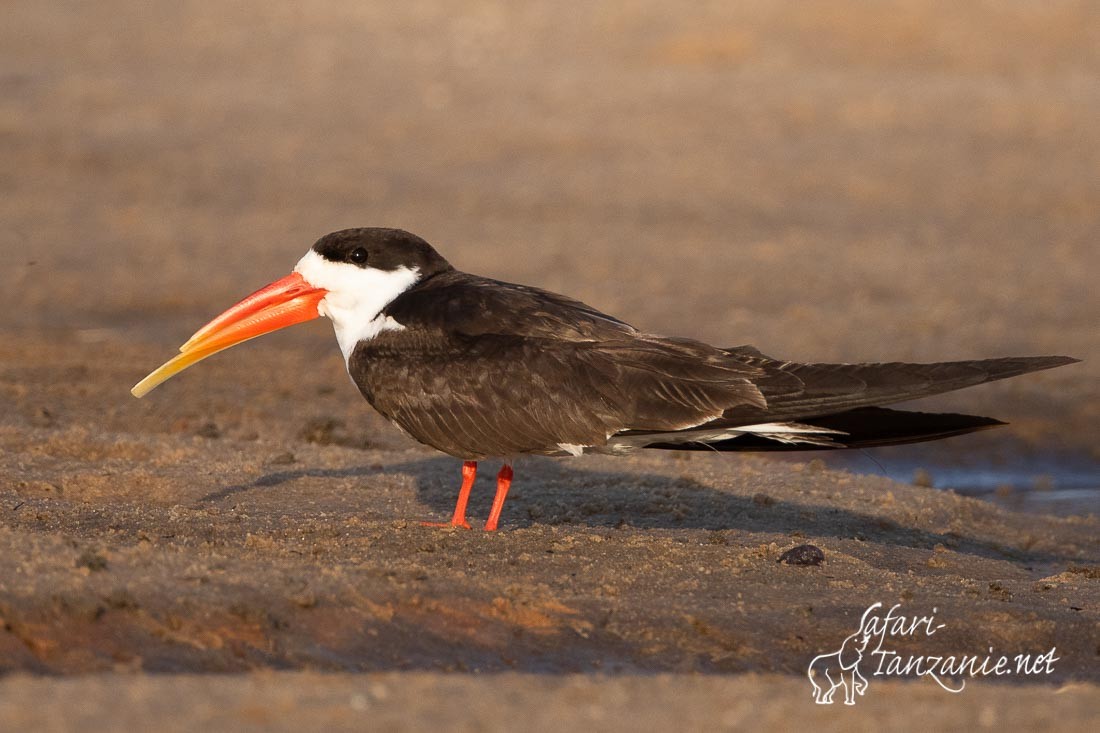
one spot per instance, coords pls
(356, 296)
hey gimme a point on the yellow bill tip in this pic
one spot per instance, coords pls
(172, 367)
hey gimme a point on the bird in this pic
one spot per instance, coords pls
(483, 369)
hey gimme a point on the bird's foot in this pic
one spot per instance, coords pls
(458, 519)
(504, 481)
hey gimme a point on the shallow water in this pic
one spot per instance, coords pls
(1050, 482)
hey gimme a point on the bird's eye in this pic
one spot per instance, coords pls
(358, 255)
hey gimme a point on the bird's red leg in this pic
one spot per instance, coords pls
(469, 473)
(504, 482)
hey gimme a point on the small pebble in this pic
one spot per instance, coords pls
(803, 555)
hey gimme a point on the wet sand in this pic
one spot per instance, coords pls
(853, 181)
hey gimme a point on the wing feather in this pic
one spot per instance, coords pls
(483, 368)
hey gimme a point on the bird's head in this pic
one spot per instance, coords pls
(348, 276)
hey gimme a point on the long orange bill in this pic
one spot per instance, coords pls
(282, 303)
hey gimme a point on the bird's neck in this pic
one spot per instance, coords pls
(349, 337)
(357, 314)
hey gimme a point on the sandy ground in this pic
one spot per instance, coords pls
(842, 181)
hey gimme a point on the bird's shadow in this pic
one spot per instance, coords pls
(567, 495)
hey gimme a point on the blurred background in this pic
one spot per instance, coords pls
(852, 180)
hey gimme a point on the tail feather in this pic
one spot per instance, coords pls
(865, 427)
(829, 406)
